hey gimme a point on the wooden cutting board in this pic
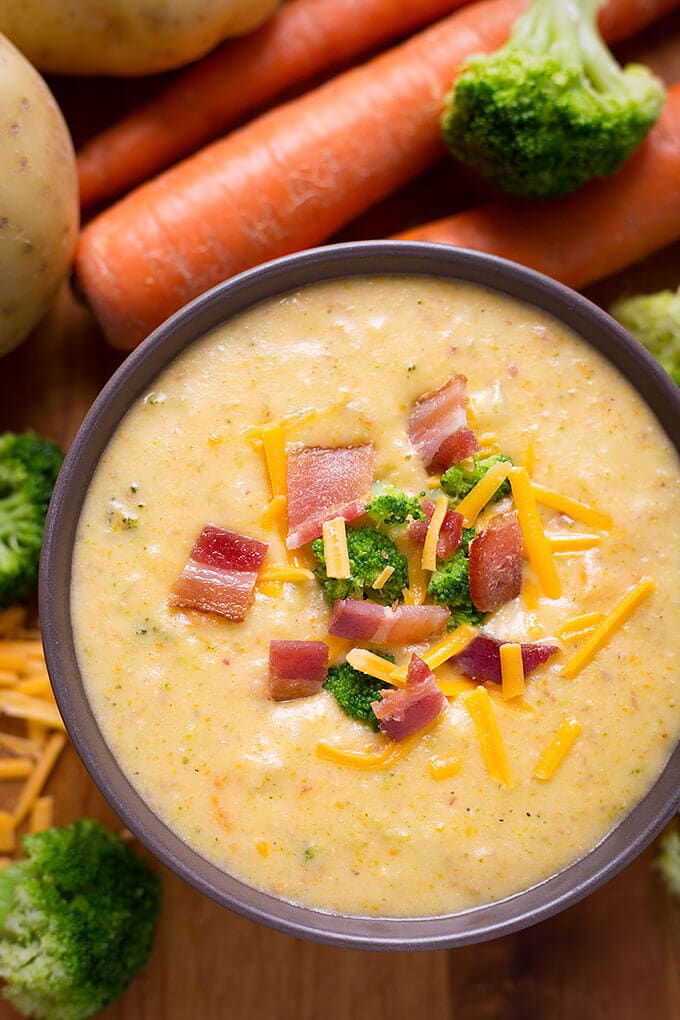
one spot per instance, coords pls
(615, 955)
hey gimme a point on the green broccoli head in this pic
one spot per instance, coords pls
(457, 481)
(552, 108)
(654, 319)
(668, 860)
(355, 691)
(29, 466)
(394, 507)
(77, 921)
(369, 553)
(450, 586)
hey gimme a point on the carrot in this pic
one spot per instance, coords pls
(292, 177)
(593, 233)
(305, 38)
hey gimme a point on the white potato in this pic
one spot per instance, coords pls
(124, 37)
(38, 197)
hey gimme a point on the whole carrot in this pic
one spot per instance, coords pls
(593, 233)
(294, 176)
(305, 38)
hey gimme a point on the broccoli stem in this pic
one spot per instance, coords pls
(569, 28)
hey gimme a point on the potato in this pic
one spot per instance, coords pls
(124, 37)
(38, 197)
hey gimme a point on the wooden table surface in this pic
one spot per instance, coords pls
(615, 955)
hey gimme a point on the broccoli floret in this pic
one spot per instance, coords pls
(394, 507)
(77, 921)
(668, 860)
(369, 553)
(457, 481)
(355, 691)
(29, 466)
(552, 108)
(450, 586)
(654, 319)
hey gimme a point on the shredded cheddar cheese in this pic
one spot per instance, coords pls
(42, 815)
(23, 706)
(337, 647)
(536, 544)
(371, 757)
(573, 543)
(574, 508)
(531, 593)
(34, 784)
(453, 687)
(491, 745)
(375, 666)
(579, 625)
(429, 557)
(275, 514)
(599, 637)
(448, 646)
(512, 670)
(335, 548)
(384, 575)
(477, 498)
(444, 766)
(16, 768)
(558, 748)
(273, 439)
(488, 444)
(285, 573)
(417, 580)
(7, 832)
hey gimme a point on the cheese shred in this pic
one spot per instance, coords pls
(375, 666)
(536, 543)
(444, 766)
(34, 784)
(429, 557)
(512, 670)
(335, 548)
(557, 750)
(442, 650)
(384, 576)
(477, 498)
(574, 508)
(599, 637)
(491, 744)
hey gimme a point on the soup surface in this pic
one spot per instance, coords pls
(181, 696)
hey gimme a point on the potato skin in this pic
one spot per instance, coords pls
(38, 197)
(124, 37)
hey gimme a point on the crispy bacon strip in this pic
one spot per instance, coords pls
(220, 574)
(296, 668)
(496, 563)
(386, 625)
(438, 428)
(450, 533)
(481, 659)
(324, 483)
(403, 711)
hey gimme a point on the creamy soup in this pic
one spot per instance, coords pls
(182, 696)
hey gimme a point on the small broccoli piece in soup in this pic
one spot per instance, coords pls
(369, 553)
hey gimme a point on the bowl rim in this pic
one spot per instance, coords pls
(379, 258)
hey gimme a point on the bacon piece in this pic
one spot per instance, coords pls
(324, 483)
(220, 574)
(450, 533)
(296, 668)
(406, 710)
(496, 563)
(481, 659)
(386, 625)
(437, 426)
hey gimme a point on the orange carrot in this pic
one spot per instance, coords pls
(294, 176)
(592, 233)
(305, 38)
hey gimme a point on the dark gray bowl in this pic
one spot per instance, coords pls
(629, 837)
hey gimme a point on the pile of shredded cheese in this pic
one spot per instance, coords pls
(31, 732)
